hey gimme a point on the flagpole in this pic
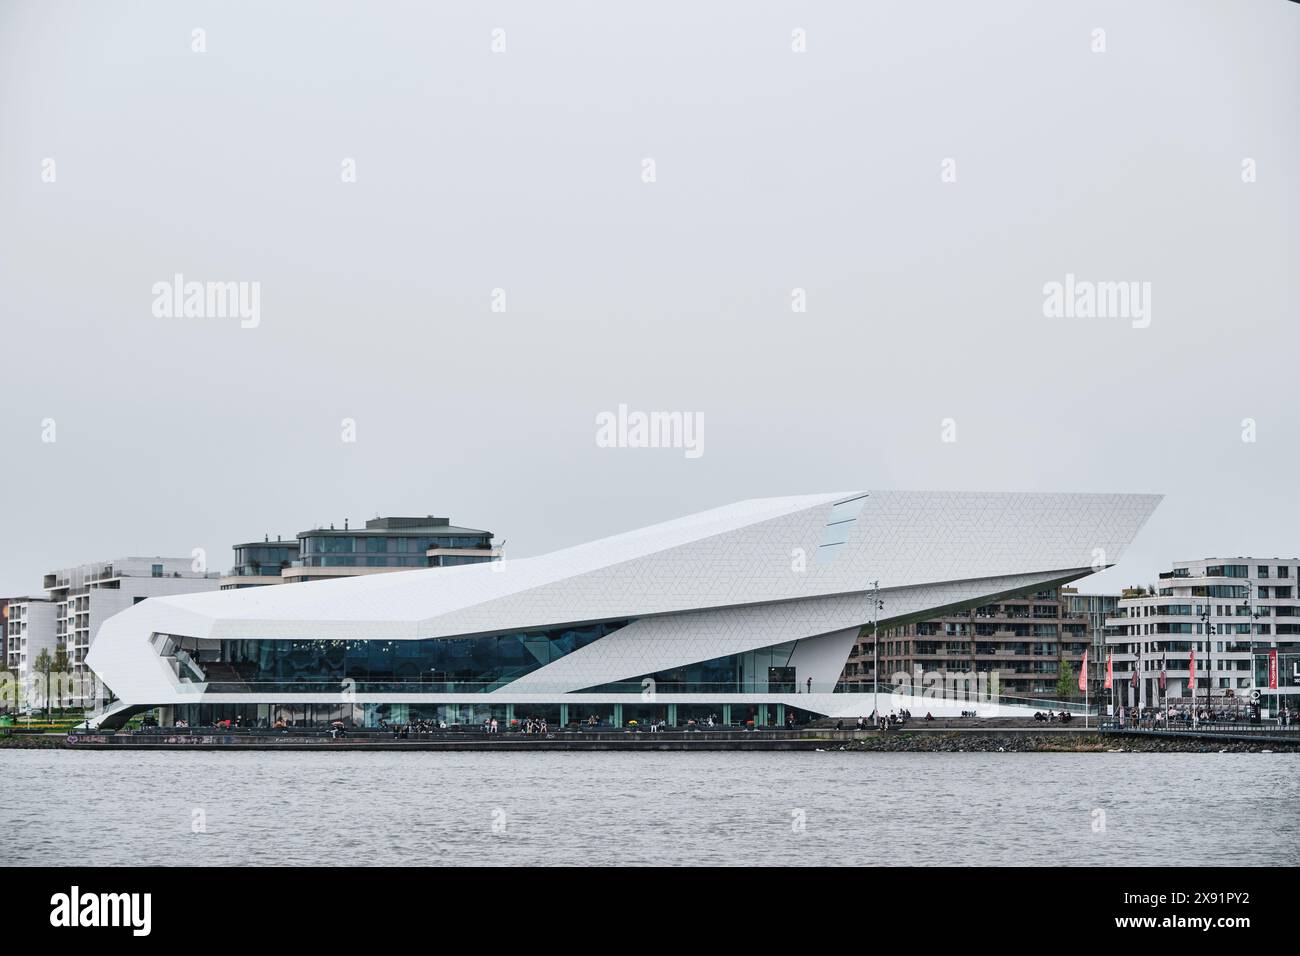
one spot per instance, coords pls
(1084, 679)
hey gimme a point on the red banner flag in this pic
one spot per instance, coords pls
(1162, 677)
(1110, 670)
(1134, 681)
(1083, 671)
(1272, 669)
(1191, 671)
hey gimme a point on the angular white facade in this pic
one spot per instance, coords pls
(756, 604)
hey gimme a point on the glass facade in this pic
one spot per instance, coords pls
(762, 671)
(264, 560)
(456, 560)
(1228, 571)
(386, 550)
(435, 665)
(294, 714)
(1288, 669)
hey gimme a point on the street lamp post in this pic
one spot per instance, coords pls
(1209, 670)
(1254, 615)
(876, 605)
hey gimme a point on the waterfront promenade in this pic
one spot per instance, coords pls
(973, 735)
(451, 740)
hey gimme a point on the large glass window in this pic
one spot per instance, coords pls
(264, 559)
(1228, 571)
(760, 671)
(435, 665)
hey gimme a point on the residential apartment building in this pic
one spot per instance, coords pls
(384, 544)
(82, 597)
(29, 629)
(1231, 612)
(1022, 639)
(258, 563)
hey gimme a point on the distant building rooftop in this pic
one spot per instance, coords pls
(400, 526)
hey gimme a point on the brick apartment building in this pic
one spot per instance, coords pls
(1023, 639)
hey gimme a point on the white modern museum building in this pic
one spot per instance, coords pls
(744, 613)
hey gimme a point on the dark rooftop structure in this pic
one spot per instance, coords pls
(398, 526)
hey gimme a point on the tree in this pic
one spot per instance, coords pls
(43, 665)
(7, 685)
(61, 667)
(1065, 685)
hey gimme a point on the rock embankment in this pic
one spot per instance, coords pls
(973, 742)
(31, 741)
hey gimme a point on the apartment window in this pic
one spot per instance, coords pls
(1283, 571)
(1226, 591)
(157, 570)
(1228, 570)
(1261, 571)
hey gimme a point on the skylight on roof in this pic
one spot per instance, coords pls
(838, 525)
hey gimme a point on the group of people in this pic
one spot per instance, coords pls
(236, 723)
(490, 725)
(403, 731)
(1052, 717)
(1195, 716)
(224, 724)
(693, 724)
(884, 721)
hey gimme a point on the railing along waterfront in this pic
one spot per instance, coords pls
(1268, 728)
(915, 700)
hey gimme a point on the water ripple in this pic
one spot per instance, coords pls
(741, 809)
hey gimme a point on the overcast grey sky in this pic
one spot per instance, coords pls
(523, 170)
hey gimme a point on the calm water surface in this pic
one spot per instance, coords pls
(394, 809)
